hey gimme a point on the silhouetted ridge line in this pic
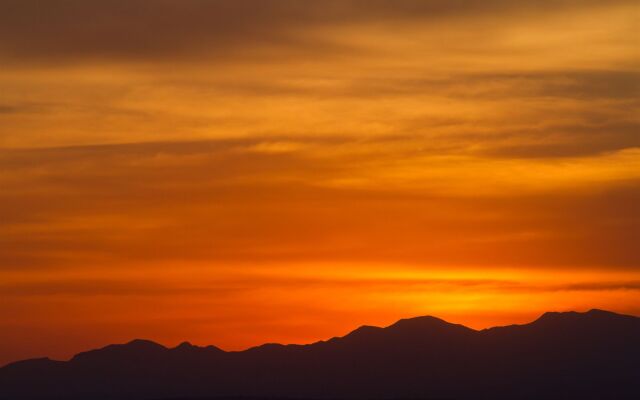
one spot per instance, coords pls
(591, 355)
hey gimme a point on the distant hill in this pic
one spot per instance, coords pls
(592, 355)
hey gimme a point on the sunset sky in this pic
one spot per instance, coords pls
(236, 172)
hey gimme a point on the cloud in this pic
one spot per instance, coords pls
(563, 84)
(169, 29)
(567, 140)
(236, 286)
(22, 108)
(225, 202)
(8, 109)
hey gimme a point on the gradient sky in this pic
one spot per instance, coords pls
(236, 172)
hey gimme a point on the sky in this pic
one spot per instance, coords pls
(236, 172)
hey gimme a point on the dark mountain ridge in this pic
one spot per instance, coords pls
(592, 355)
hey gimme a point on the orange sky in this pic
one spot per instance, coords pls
(247, 171)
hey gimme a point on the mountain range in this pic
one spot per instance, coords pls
(568, 355)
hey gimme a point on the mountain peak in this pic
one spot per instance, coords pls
(557, 315)
(144, 344)
(33, 363)
(426, 320)
(597, 311)
(574, 315)
(425, 324)
(416, 324)
(185, 345)
(362, 330)
(134, 347)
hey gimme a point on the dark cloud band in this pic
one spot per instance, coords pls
(68, 30)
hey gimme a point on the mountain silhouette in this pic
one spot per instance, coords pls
(592, 355)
